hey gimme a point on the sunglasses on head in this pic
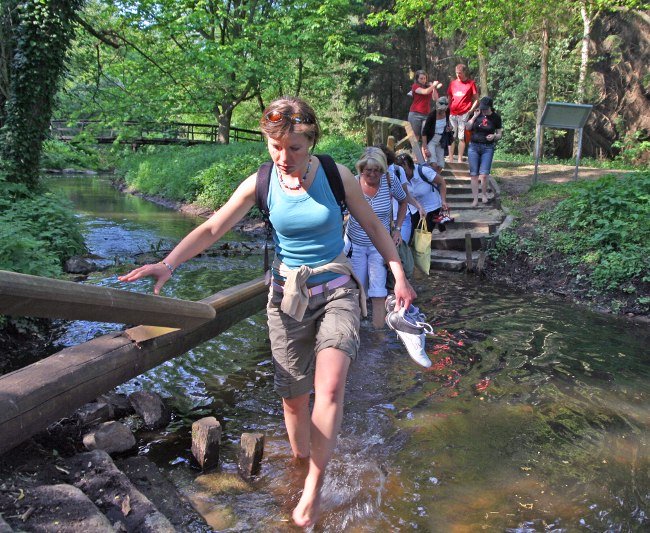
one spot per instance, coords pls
(277, 116)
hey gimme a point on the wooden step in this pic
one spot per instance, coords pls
(451, 260)
(467, 197)
(476, 218)
(454, 239)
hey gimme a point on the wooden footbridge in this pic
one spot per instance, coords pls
(39, 394)
(140, 133)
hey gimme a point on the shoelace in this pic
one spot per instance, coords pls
(418, 323)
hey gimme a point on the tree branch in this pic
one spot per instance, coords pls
(101, 35)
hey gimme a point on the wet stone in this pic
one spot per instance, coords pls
(64, 508)
(251, 452)
(118, 404)
(4, 527)
(112, 491)
(78, 265)
(112, 437)
(155, 485)
(206, 440)
(93, 413)
(151, 408)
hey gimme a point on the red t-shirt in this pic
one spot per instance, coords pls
(421, 102)
(461, 95)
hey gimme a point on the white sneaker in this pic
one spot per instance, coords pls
(412, 334)
(413, 312)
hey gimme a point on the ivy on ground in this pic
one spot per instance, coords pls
(601, 228)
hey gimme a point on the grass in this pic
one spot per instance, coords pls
(206, 174)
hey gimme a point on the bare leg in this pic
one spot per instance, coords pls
(296, 418)
(378, 312)
(452, 149)
(484, 196)
(474, 182)
(329, 386)
(461, 150)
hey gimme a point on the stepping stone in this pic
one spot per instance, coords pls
(206, 441)
(251, 452)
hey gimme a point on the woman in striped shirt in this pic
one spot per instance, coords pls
(367, 262)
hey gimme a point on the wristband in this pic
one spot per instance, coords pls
(169, 267)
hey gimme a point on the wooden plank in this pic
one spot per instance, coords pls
(468, 252)
(37, 395)
(24, 295)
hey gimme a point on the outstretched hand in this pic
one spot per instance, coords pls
(155, 270)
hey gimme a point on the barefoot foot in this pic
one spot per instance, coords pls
(475, 203)
(307, 511)
(484, 198)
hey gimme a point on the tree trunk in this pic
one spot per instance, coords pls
(543, 81)
(223, 119)
(41, 37)
(482, 72)
(422, 39)
(584, 64)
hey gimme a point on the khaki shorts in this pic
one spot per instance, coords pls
(458, 123)
(331, 321)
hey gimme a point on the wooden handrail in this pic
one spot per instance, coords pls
(25, 295)
(378, 130)
(37, 395)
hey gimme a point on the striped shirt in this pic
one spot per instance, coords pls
(380, 204)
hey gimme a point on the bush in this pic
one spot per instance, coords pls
(605, 224)
(59, 155)
(37, 234)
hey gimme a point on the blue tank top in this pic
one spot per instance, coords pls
(307, 228)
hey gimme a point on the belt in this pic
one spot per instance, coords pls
(318, 289)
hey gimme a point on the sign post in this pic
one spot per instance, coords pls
(562, 115)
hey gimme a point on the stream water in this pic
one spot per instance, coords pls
(534, 417)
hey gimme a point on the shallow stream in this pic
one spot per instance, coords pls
(534, 417)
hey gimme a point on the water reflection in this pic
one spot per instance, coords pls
(533, 417)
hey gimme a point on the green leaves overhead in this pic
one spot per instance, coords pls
(205, 57)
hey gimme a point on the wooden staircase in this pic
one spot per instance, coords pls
(471, 224)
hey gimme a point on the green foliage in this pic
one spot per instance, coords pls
(38, 33)
(601, 229)
(183, 173)
(634, 149)
(605, 224)
(60, 155)
(37, 234)
(514, 71)
(210, 174)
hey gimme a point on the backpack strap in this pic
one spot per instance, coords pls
(334, 179)
(424, 178)
(262, 182)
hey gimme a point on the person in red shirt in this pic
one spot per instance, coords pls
(423, 93)
(463, 99)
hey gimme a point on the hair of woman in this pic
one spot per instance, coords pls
(404, 160)
(287, 106)
(372, 155)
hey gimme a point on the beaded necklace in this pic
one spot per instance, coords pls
(295, 187)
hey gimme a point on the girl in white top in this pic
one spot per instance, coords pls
(427, 187)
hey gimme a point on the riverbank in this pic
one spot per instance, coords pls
(521, 266)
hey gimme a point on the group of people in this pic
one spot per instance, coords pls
(458, 112)
(399, 192)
